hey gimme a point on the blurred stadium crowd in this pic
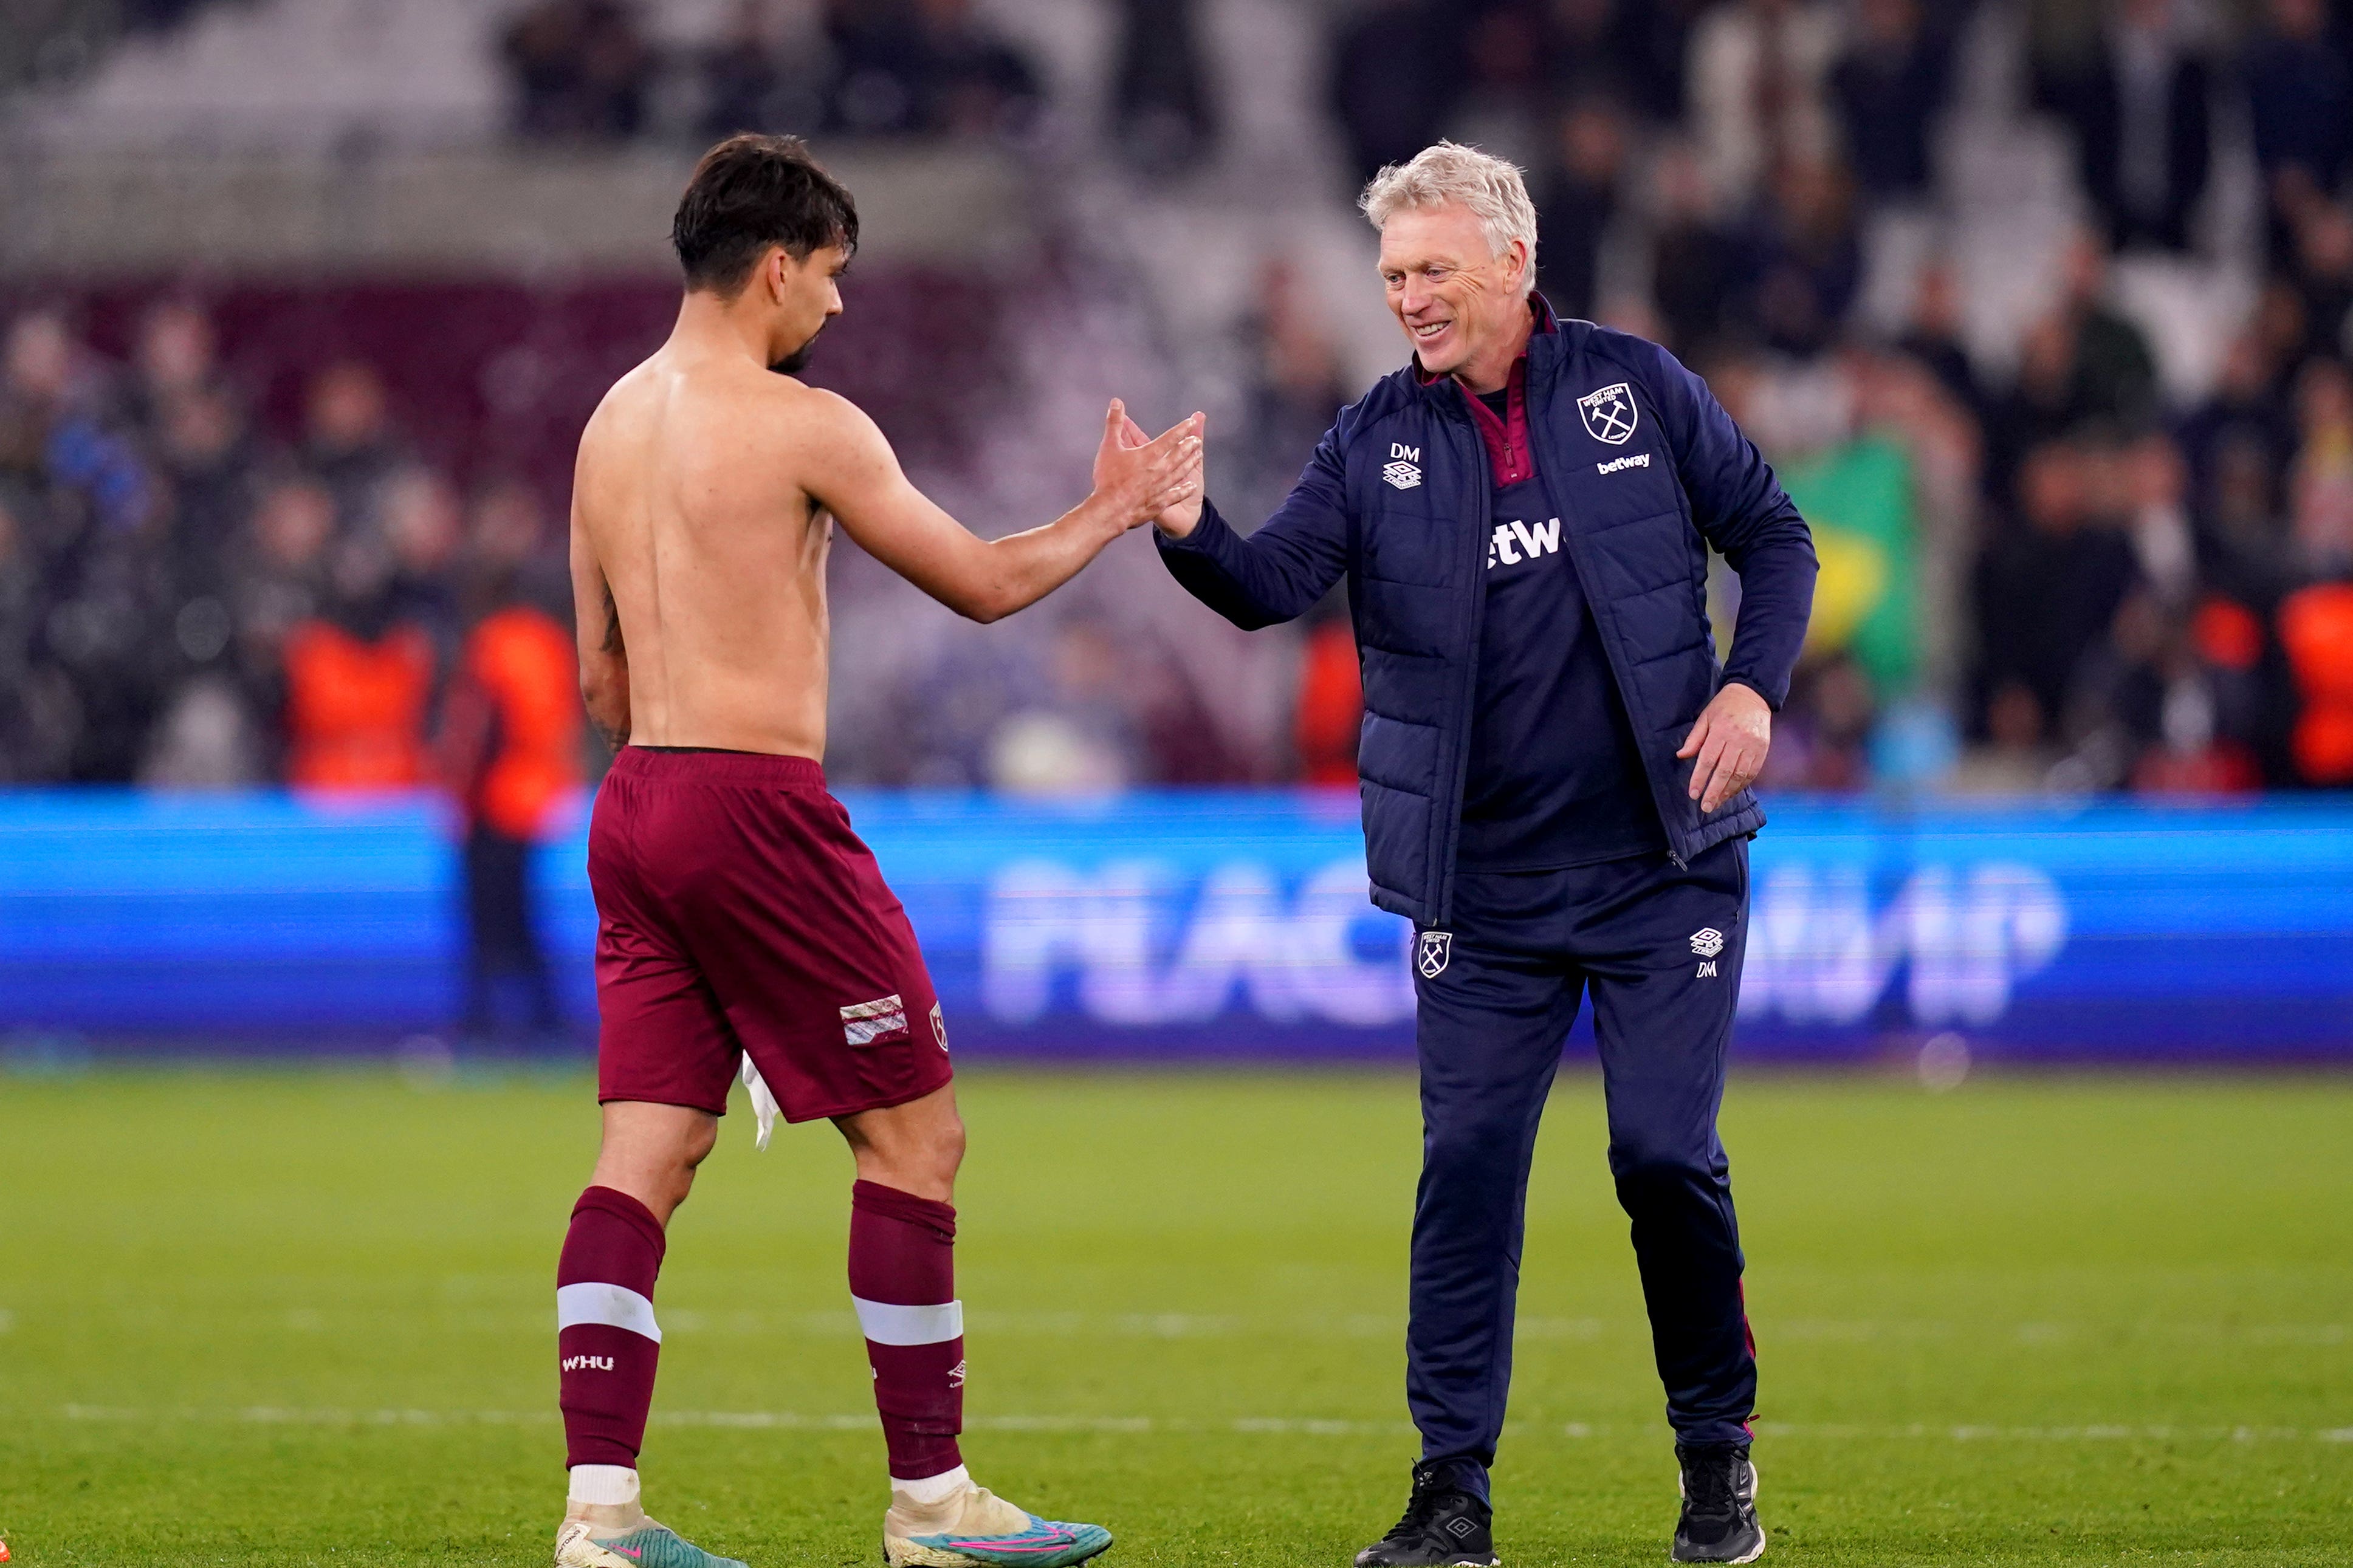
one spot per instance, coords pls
(2052, 561)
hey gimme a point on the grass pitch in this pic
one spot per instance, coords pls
(304, 1317)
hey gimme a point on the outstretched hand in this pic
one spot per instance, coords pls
(1142, 479)
(1730, 741)
(1179, 520)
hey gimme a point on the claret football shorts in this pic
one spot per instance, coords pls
(737, 913)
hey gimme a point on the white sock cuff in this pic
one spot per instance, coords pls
(609, 1486)
(925, 1492)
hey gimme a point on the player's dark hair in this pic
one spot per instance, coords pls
(752, 192)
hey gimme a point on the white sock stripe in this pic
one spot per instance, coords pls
(612, 1486)
(886, 1324)
(932, 1490)
(616, 1306)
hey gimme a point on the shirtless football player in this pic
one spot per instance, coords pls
(738, 913)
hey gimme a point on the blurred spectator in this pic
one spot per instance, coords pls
(349, 438)
(41, 716)
(282, 576)
(84, 502)
(510, 554)
(2300, 105)
(1586, 42)
(1933, 336)
(2315, 627)
(1162, 105)
(1693, 260)
(2144, 712)
(2114, 371)
(1825, 745)
(979, 84)
(1296, 385)
(1890, 88)
(2323, 276)
(1576, 202)
(1392, 71)
(1755, 90)
(510, 746)
(746, 83)
(911, 67)
(580, 68)
(2279, 325)
(2155, 483)
(1804, 257)
(2049, 586)
(2241, 414)
(2139, 108)
(1329, 718)
(417, 512)
(2084, 368)
(358, 683)
(205, 740)
(176, 357)
(1503, 102)
(200, 445)
(2320, 486)
(204, 451)
(1629, 50)
(53, 430)
(2016, 758)
(2242, 549)
(1658, 53)
(1078, 735)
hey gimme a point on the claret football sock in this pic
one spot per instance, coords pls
(902, 1281)
(606, 1340)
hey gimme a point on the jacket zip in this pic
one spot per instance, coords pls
(1447, 826)
(1549, 463)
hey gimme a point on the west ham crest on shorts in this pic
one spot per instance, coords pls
(1430, 953)
(1609, 413)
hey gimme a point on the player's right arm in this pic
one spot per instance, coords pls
(596, 624)
(850, 469)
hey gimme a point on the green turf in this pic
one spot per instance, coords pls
(305, 1318)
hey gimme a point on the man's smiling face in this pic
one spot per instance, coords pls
(1453, 295)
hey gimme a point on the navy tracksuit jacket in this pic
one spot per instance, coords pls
(1396, 500)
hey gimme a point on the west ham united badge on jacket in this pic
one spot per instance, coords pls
(1609, 415)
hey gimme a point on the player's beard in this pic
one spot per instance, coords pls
(797, 360)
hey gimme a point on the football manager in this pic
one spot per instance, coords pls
(1556, 777)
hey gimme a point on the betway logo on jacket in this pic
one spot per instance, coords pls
(1513, 543)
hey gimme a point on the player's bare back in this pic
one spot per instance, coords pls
(692, 503)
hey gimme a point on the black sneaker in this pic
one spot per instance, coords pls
(1443, 1527)
(1719, 1518)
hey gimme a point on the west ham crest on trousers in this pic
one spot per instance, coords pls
(1609, 413)
(1433, 951)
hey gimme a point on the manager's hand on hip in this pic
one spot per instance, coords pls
(1145, 478)
(1730, 741)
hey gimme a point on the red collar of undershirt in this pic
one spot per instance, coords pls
(1508, 453)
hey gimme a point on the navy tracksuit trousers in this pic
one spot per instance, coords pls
(1660, 949)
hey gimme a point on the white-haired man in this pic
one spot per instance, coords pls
(1556, 773)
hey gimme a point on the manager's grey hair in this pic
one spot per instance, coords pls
(1489, 187)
